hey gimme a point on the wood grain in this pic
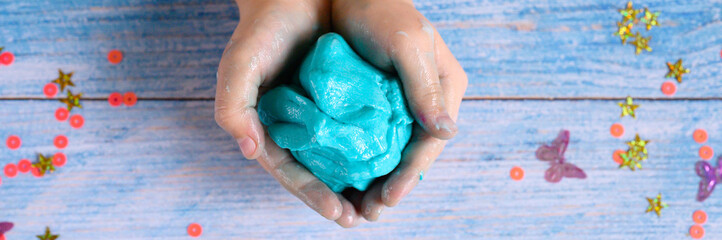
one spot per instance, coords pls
(149, 170)
(534, 67)
(508, 48)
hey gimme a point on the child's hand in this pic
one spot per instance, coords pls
(393, 35)
(390, 34)
(270, 34)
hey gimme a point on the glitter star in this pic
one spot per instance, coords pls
(641, 43)
(629, 13)
(650, 18)
(656, 205)
(72, 100)
(628, 108)
(630, 162)
(623, 31)
(44, 164)
(1, 49)
(638, 147)
(64, 80)
(47, 235)
(676, 70)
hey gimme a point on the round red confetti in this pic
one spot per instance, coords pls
(617, 156)
(516, 173)
(696, 232)
(36, 172)
(2, 237)
(24, 166)
(700, 135)
(195, 230)
(11, 170)
(617, 130)
(13, 142)
(115, 56)
(130, 99)
(7, 58)
(60, 141)
(669, 88)
(50, 90)
(77, 121)
(59, 159)
(115, 99)
(699, 216)
(706, 152)
(61, 114)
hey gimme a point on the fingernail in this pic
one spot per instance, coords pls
(248, 146)
(445, 124)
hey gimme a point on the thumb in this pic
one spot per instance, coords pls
(413, 56)
(236, 94)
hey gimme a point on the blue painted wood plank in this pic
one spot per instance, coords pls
(566, 48)
(186, 38)
(508, 48)
(148, 171)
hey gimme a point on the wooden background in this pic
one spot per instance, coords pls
(534, 68)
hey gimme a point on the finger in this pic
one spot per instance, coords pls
(372, 204)
(406, 45)
(418, 156)
(264, 40)
(299, 181)
(451, 75)
(412, 54)
(350, 216)
(423, 150)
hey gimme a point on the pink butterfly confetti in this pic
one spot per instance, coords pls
(554, 154)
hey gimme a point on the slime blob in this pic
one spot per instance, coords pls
(345, 120)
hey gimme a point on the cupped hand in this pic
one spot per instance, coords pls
(394, 36)
(271, 38)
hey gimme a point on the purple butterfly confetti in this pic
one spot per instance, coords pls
(5, 227)
(710, 177)
(554, 154)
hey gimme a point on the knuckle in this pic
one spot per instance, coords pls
(406, 39)
(430, 94)
(222, 115)
(220, 118)
(463, 80)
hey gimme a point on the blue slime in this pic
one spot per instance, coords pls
(343, 119)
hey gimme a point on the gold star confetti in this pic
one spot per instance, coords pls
(628, 108)
(650, 18)
(47, 235)
(641, 43)
(676, 70)
(638, 148)
(628, 161)
(1, 49)
(623, 31)
(656, 205)
(72, 100)
(64, 80)
(44, 164)
(629, 13)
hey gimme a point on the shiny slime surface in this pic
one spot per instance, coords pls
(343, 119)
